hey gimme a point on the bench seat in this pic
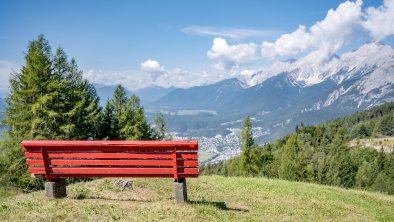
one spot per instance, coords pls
(54, 160)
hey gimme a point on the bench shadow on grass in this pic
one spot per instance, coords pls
(219, 205)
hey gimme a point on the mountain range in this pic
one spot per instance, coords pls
(308, 90)
(147, 95)
(311, 90)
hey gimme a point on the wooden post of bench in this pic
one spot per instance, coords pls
(54, 188)
(180, 191)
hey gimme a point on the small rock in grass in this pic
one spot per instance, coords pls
(122, 184)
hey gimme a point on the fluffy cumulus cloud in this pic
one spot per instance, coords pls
(153, 68)
(132, 79)
(231, 56)
(337, 29)
(380, 21)
(327, 35)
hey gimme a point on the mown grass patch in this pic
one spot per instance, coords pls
(211, 198)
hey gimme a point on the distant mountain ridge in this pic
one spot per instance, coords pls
(147, 95)
(308, 90)
(202, 97)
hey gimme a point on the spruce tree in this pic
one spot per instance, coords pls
(292, 165)
(160, 128)
(341, 170)
(247, 146)
(48, 99)
(125, 117)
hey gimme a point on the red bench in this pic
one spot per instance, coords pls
(55, 160)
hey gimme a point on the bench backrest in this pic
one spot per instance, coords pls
(53, 159)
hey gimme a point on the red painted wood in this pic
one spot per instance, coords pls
(83, 175)
(187, 155)
(103, 149)
(111, 158)
(124, 155)
(114, 162)
(105, 145)
(46, 163)
(114, 170)
(175, 165)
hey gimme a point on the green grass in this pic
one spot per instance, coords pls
(212, 198)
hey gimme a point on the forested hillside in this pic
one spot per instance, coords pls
(321, 154)
(49, 99)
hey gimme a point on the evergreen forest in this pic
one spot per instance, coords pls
(321, 154)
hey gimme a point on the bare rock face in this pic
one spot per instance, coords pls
(122, 184)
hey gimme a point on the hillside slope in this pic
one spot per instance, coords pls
(212, 198)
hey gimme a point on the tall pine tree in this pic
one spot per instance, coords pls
(124, 118)
(247, 147)
(48, 99)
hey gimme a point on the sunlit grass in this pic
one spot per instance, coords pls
(211, 198)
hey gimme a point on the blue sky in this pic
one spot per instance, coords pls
(112, 39)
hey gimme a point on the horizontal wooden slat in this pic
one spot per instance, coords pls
(114, 162)
(114, 170)
(124, 155)
(64, 175)
(30, 145)
(105, 148)
(187, 155)
(101, 155)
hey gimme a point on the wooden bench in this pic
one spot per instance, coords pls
(55, 160)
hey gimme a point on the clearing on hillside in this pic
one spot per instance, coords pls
(212, 198)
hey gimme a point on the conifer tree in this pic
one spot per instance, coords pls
(160, 128)
(125, 117)
(292, 165)
(341, 171)
(247, 146)
(48, 99)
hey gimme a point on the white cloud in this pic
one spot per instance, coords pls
(137, 79)
(129, 78)
(380, 21)
(327, 35)
(151, 66)
(233, 33)
(231, 56)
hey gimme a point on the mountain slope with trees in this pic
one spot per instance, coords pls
(322, 154)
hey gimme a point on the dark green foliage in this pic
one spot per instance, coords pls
(124, 118)
(293, 163)
(321, 154)
(247, 148)
(159, 131)
(48, 99)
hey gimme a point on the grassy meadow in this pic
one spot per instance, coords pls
(211, 198)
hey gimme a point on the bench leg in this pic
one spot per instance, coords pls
(56, 188)
(180, 190)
